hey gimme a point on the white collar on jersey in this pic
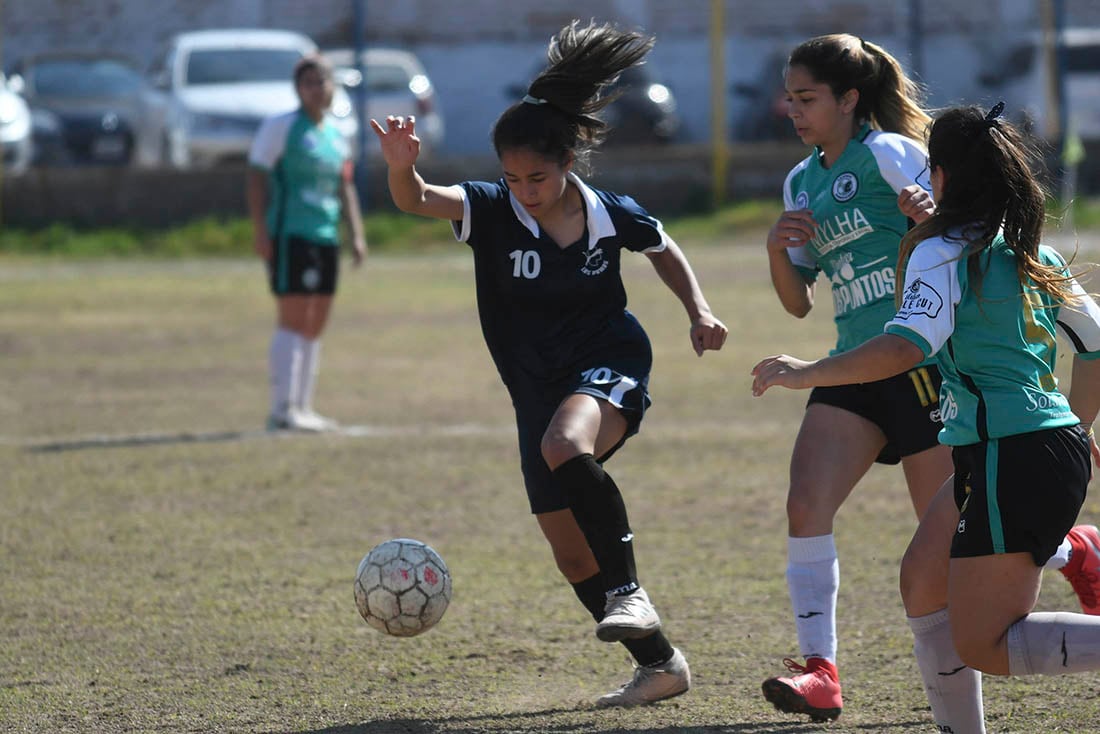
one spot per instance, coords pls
(599, 220)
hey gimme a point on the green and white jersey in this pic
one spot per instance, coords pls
(994, 340)
(854, 202)
(307, 163)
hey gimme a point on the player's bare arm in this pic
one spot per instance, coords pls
(707, 332)
(876, 359)
(410, 192)
(794, 228)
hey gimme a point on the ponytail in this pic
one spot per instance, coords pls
(990, 188)
(558, 116)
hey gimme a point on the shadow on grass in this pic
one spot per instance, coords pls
(535, 722)
(145, 439)
(184, 437)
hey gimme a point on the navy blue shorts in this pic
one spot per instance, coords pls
(302, 267)
(623, 382)
(1020, 494)
(905, 407)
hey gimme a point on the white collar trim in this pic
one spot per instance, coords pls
(599, 219)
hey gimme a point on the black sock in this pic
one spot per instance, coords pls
(647, 651)
(592, 594)
(600, 512)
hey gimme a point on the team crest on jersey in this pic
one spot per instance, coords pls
(594, 262)
(802, 201)
(920, 298)
(845, 186)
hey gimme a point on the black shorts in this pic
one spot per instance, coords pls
(303, 267)
(905, 407)
(621, 382)
(1020, 494)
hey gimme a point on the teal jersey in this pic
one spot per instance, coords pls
(307, 163)
(854, 202)
(994, 340)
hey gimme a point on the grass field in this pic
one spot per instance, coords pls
(166, 566)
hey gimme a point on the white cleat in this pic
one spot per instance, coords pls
(316, 422)
(298, 420)
(652, 683)
(628, 617)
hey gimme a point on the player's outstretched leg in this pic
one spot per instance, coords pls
(652, 683)
(814, 689)
(1083, 569)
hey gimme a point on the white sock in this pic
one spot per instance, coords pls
(283, 359)
(954, 689)
(307, 375)
(1051, 643)
(1060, 558)
(813, 577)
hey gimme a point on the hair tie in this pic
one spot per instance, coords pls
(994, 114)
(528, 99)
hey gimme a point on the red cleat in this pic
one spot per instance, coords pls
(814, 690)
(1083, 569)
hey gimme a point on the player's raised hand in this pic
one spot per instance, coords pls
(782, 370)
(400, 146)
(794, 228)
(707, 332)
(916, 203)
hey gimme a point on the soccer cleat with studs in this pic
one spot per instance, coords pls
(814, 689)
(1083, 569)
(652, 683)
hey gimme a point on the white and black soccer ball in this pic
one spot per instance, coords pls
(402, 587)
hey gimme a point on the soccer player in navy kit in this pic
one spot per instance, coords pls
(552, 305)
(847, 207)
(985, 298)
(299, 183)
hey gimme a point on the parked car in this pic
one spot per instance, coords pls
(94, 108)
(396, 84)
(644, 113)
(760, 105)
(15, 130)
(228, 81)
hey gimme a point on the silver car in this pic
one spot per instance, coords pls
(228, 81)
(396, 84)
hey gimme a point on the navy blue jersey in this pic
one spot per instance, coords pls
(548, 312)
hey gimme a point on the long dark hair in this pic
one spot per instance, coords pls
(557, 119)
(990, 186)
(888, 99)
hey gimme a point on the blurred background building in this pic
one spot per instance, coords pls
(476, 56)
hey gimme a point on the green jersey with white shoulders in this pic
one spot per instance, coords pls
(994, 339)
(307, 163)
(854, 202)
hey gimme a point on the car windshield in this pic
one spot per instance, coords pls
(84, 78)
(387, 78)
(231, 66)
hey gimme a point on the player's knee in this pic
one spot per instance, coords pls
(805, 509)
(979, 652)
(557, 447)
(909, 581)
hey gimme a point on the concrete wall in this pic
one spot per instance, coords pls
(665, 180)
(475, 49)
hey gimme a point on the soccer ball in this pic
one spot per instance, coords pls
(402, 587)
